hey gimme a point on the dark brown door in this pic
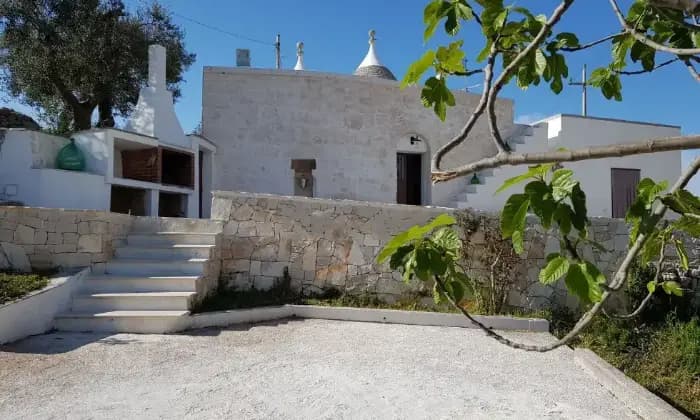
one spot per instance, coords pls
(408, 178)
(201, 184)
(624, 190)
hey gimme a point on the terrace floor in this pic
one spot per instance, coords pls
(296, 369)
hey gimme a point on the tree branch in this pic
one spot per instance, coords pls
(618, 280)
(590, 44)
(512, 68)
(645, 40)
(647, 299)
(664, 144)
(692, 70)
(488, 76)
(466, 73)
(665, 63)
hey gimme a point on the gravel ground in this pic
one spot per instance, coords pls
(296, 369)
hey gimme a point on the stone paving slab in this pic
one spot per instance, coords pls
(297, 369)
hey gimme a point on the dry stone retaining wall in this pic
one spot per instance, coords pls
(325, 244)
(58, 238)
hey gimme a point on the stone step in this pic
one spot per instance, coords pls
(164, 252)
(155, 267)
(141, 301)
(144, 322)
(114, 284)
(156, 239)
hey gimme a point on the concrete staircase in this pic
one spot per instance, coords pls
(483, 196)
(148, 287)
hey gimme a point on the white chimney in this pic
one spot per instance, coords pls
(156, 66)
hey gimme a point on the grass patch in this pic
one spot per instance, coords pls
(664, 357)
(14, 285)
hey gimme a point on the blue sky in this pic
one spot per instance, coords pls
(335, 36)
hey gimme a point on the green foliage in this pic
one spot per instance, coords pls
(430, 252)
(68, 58)
(14, 286)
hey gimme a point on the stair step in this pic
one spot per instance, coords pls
(134, 301)
(170, 238)
(472, 188)
(164, 251)
(115, 284)
(145, 322)
(155, 267)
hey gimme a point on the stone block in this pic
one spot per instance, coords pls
(40, 237)
(370, 240)
(24, 235)
(53, 238)
(230, 228)
(242, 213)
(356, 257)
(90, 243)
(266, 252)
(64, 226)
(272, 269)
(14, 257)
(83, 228)
(255, 267)
(263, 282)
(73, 259)
(265, 229)
(325, 248)
(242, 248)
(34, 222)
(6, 235)
(237, 266)
(63, 248)
(309, 258)
(99, 227)
(247, 229)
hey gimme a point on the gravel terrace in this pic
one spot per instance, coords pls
(298, 369)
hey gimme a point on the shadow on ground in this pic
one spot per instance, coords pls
(57, 342)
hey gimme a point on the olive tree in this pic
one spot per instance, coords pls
(530, 51)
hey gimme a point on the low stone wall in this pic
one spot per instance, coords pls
(325, 244)
(57, 238)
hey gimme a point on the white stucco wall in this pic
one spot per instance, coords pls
(16, 161)
(595, 175)
(72, 190)
(262, 119)
(34, 314)
(575, 132)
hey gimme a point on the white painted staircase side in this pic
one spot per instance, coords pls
(148, 287)
(483, 196)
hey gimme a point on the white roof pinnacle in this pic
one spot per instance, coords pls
(371, 58)
(300, 56)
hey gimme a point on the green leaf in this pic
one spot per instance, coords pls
(682, 202)
(576, 282)
(452, 22)
(432, 14)
(448, 241)
(563, 216)
(554, 270)
(580, 216)
(435, 94)
(513, 219)
(689, 225)
(541, 201)
(563, 183)
(696, 39)
(451, 58)
(500, 20)
(399, 257)
(682, 255)
(540, 62)
(584, 281)
(417, 68)
(537, 172)
(651, 249)
(566, 39)
(651, 286)
(413, 233)
(672, 288)
(484, 52)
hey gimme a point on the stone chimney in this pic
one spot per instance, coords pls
(242, 58)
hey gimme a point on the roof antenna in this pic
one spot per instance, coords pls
(583, 83)
(278, 60)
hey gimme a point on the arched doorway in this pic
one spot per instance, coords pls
(413, 171)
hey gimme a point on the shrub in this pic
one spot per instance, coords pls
(14, 286)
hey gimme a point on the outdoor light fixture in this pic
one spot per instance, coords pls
(414, 140)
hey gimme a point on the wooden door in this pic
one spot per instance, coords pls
(624, 190)
(408, 178)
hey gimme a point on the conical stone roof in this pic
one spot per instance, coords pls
(371, 66)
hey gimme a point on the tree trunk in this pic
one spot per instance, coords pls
(106, 118)
(82, 117)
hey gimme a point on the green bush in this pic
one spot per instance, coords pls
(14, 286)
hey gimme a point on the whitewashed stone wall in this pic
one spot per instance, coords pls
(326, 244)
(57, 238)
(353, 126)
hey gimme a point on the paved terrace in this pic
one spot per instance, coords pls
(296, 369)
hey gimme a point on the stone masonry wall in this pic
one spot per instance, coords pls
(327, 244)
(57, 238)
